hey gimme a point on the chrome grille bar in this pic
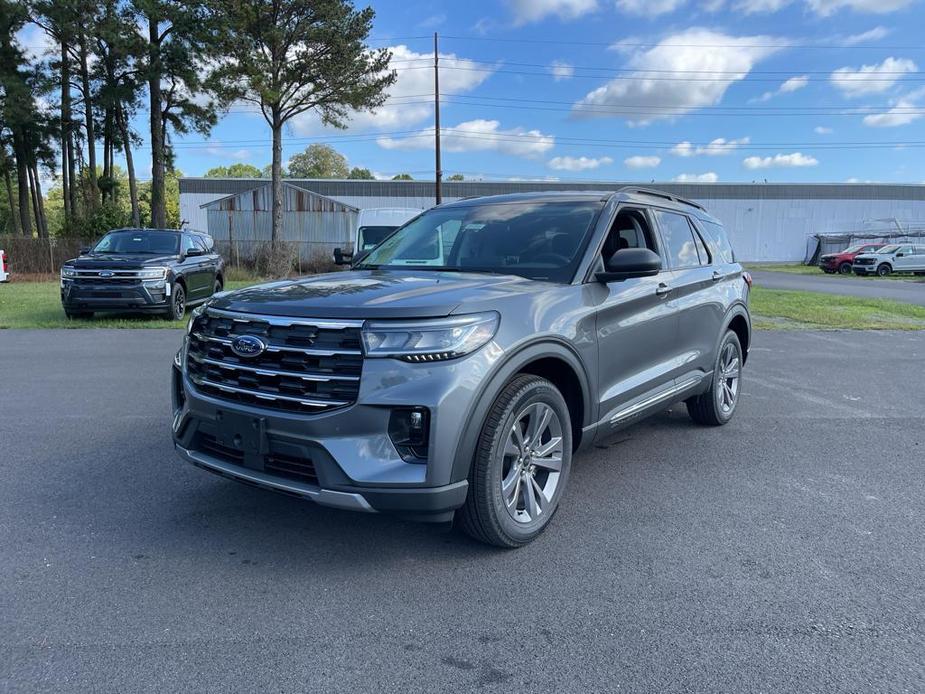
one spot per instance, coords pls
(273, 372)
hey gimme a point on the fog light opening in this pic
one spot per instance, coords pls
(409, 430)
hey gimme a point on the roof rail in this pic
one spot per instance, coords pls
(661, 194)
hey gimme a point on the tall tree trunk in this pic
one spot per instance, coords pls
(8, 180)
(129, 164)
(107, 145)
(66, 181)
(277, 187)
(88, 118)
(158, 203)
(41, 224)
(22, 181)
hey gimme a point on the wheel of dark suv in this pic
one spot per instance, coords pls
(845, 268)
(717, 405)
(78, 314)
(521, 464)
(177, 303)
(883, 270)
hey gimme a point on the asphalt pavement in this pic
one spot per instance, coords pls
(783, 552)
(911, 291)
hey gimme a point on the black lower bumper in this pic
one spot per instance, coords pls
(114, 297)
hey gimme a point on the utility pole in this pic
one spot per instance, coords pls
(438, 193)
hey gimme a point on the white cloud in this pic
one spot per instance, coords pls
(526, 11)
(715, 148)
(729, 58)
(708, 177)
(825, 8)
(477, 136)
(216, 149)
(578, 163)
(649, 8)
(760, 6)
(871, 79)
(36, 45)
(874, 34)
(822, 130)
(796, 159)
(900, 113)
(640, 162)
(712, 5)
(398, 111)
(788, 87)
(561, 70)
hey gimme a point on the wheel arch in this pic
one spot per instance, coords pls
(550, 359)
(739, 321)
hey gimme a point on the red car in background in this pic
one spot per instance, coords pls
(841, 262)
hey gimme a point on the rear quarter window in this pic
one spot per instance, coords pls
(717, 240)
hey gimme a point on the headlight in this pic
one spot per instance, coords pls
(153, 273)
(429, 340)
(68, 272)
(194, 314)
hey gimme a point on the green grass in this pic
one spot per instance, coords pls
(800, 269)
(777, 309)
(38, 305)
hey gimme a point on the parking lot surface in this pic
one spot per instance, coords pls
(911, 291)
(783, 552)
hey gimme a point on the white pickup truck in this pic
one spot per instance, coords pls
(4, 267)
(374, 224)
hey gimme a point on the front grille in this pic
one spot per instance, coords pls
(308, 366)
(864, 261)
(91, 281)
(209, 444)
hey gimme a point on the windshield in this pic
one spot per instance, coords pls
(537, 240)
(854, 249)
(369, 237)
(146, 242)
(887, 249)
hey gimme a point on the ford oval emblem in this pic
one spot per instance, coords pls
(248, 346)
(107, 273)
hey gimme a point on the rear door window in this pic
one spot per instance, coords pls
(681, 241)
(717, 240)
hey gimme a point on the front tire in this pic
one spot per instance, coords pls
(883, 270)
(521, 464)
(177, 303)
(844, 269)
(71, 315)
(717, 405)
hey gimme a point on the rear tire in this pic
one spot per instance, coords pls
(883, 270)
(844, 269)
(177, 303)
(71, 315)
(717, 405)
(521, 466)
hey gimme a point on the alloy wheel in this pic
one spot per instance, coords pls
(179, 304)
(727, 385)
(531, 464)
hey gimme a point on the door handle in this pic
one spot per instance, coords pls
(717, 275)
(662, 289)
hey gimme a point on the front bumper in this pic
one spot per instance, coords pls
(864, 269)
(344, 457)
(108, 296)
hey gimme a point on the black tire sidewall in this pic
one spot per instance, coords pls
(177, 291)
(539, 391)
(724, 417)
(844, 269)
(886, 270)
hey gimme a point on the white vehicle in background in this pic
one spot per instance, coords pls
(896, 257)
(376, 223)
(4, 267)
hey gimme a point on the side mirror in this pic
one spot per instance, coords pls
(193, 252)
(84, 250)
(628, 263)
(341, 258)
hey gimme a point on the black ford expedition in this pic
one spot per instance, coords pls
(151, 270)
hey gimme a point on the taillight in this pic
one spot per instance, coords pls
(748, 279)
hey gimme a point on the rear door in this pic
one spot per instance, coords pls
(698, 289)
(193, 266)
(904, 260)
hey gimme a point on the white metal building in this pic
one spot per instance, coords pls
(766, 221)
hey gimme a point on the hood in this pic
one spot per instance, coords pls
(376, 294)
(98, 261)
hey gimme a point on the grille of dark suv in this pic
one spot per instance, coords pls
(308, 365)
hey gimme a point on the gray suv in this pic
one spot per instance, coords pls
(459, 365)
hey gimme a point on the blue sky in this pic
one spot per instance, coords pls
(721, 90)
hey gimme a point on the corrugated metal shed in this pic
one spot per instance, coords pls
(766, 221)
(317, 223)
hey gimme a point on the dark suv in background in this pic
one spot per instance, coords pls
(462, 361)
(151, 270)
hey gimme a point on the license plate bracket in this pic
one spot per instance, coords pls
(242, 432)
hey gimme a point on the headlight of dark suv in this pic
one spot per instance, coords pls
(429, 340)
